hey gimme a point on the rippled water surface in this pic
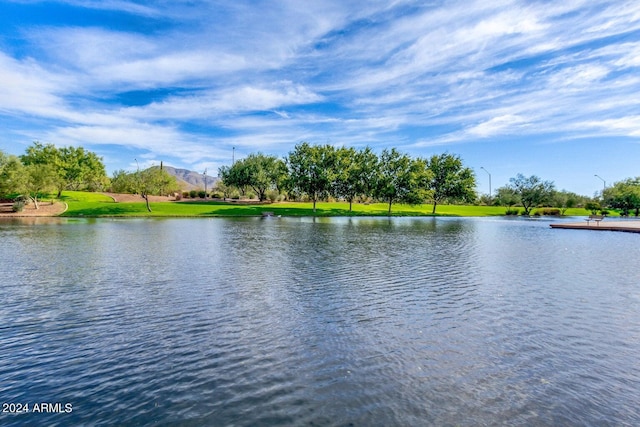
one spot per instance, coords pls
(373, 322)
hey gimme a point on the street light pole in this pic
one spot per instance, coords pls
(490, 194)
(205, 183)
(604, 183)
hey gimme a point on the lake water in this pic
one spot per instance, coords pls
(326, 322)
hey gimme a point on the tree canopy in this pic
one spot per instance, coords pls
(311, 170)
(74, 168)
(259, 172)
(401, 178)
(530, 191)
(624, 195)
(450, 180)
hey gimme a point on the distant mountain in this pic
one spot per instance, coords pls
(190, 180)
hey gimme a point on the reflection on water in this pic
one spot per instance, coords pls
(283, 321)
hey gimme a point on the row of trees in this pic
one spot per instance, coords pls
(314, 171)
(531, 192)
(321, 171)
(45, 168)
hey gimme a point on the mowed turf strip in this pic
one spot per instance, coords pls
(83, 204)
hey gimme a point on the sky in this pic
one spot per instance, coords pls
(538, 87)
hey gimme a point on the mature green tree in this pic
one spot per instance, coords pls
(506, 196)
(259, 172)
(401, 178)
(39, 179)
(13, 176)
(3, 159)
(311, 170)
(124, 182)
(48, 157)
(153, 181)
(355, 173)
(450, 180)
(624, 195)
(531, 191)
(565, 200)
(75, 168)
(81, 169)
(594, 206)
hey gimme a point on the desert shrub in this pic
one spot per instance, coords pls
(235, 195)
(193, 194)
(185, 194)
(272, 195)
(18, 205)
(216, 195)
(178, 196)
(202, 194)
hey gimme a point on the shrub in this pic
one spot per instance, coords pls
(548, 211)
(216, 195)
(18, 205)
(272, 195)
(185, 194)
(193, 194)
(202, 194)
(512, 211)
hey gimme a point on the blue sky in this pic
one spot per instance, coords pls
(534, 87)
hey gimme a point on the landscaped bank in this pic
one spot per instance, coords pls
(100, 205)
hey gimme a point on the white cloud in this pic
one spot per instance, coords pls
(265, 75)
(497, 125)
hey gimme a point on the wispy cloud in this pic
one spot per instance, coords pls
(190, 80)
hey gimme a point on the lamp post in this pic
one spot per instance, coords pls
(233, 156)
(205, 183)
(482, 167)
(604, 183)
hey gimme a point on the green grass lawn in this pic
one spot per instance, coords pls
(97, 205)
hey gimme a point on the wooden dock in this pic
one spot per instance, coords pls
(630, 226)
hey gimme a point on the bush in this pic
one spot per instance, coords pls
(18, 205)
(193, 194)
(202, 194)
(185, 194)
(548, 211)
(272, 195)
(216, 196)
(512, 211)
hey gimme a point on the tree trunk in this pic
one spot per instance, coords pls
(434, 207)
(35, 201)
(390, 202)
(314, 205)
(146, 198)
(350, 205)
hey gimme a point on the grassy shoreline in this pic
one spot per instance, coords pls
(81, 204)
